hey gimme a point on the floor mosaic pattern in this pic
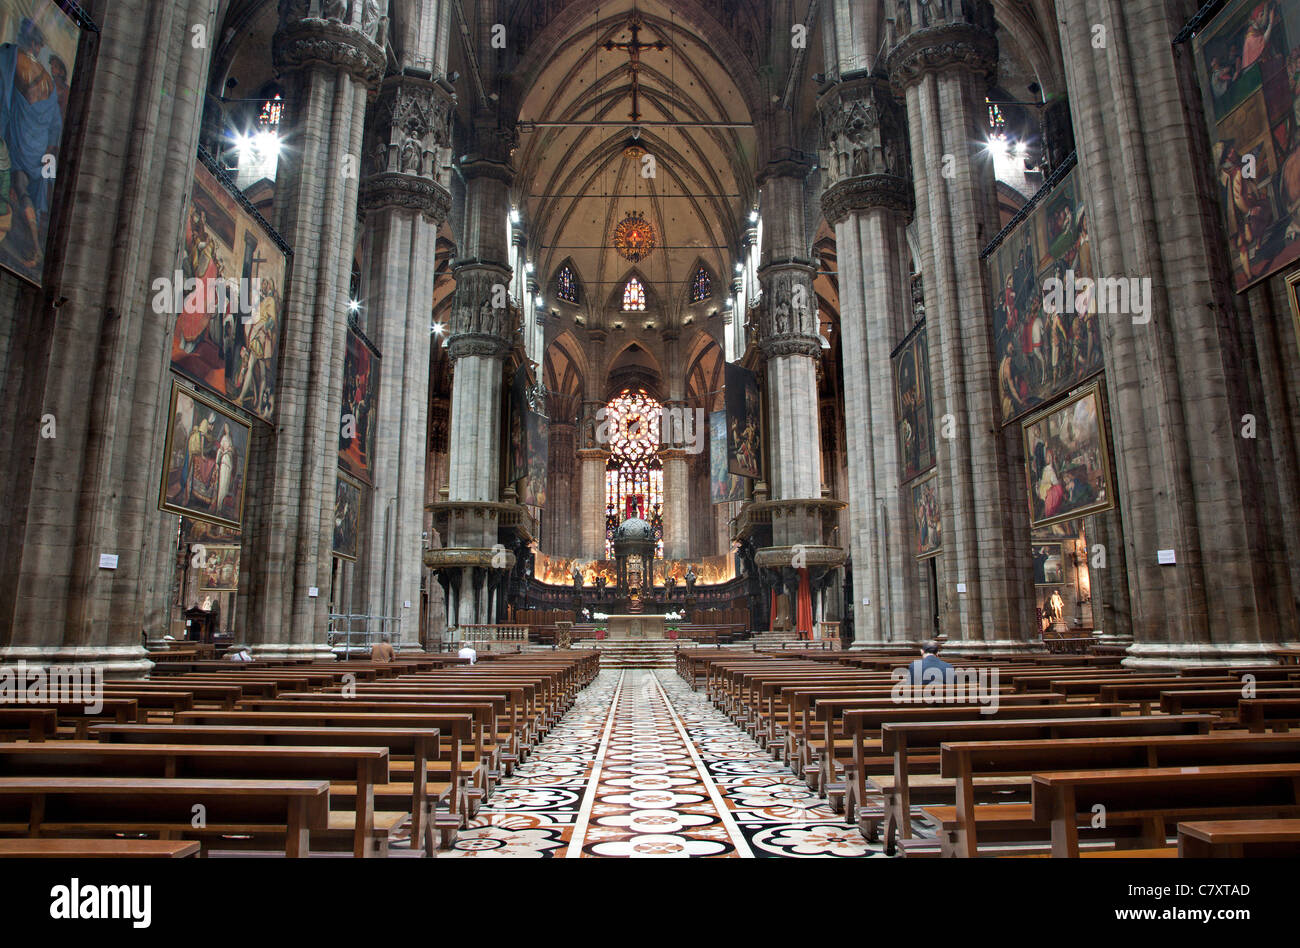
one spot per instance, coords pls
(642, 766)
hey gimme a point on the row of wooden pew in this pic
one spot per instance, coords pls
(1077, 756)
(347, 756)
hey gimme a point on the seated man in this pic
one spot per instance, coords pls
(382, 651)
(467, 651)
(930, 667)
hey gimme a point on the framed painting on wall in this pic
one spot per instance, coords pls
(221, 572)
(912, 405)
(347, 508)
(205, 461)
(744, 422)
(357, 420)
(39, 40)
(724, 487)
(1248, 62)
(1067, 464)
(925, 517)
(1049, 564)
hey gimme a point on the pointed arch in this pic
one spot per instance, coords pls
(616, 296)
(566, 283)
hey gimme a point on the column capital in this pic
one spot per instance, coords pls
(409, 130)
(403, 192)
(867, 159)
(786, 320)
(940, 39)
(304, 41)
(484, 319)
(491, 150)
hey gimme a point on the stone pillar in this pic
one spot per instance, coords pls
(404, 202)
(677, 504)
(593, 461)
(1180, 377)
(328, 67)
(91, 354)
(943, 64)
(558, 535)
(869, 202)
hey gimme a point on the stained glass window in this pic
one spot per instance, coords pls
(566, 284)
(634, 296)
(634, 475)
(997, 121)
(701, 286)
(272, 112)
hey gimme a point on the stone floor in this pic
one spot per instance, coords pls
(642, 766)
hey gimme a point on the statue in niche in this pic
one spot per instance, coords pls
(335, 9)
(409, 162)
(781, 318)
(577, 577)
(370, 19)
(489, 319)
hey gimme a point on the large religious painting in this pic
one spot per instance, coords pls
(1067, 464)
(518, 446)
(724, 487)
(1049, 564)
(206, 460)
(38, 55)
(229, 298)
(537, 440)
(913, 405)
(925, 517)
(1248, 60)
(347, 508)
(744, 422)
(199, 531)
(221, 571)
(357, 422)
(1045, 303)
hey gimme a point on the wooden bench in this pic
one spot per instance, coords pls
(1259, 714)
(36, 724)
(1155, 796)
(360, 767)
(97, 848)
(967, 762)
(79, 715)
(1235, 839)
(38, 806)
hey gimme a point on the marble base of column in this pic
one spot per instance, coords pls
(118, 661)
(993, 647)
(1180, 655)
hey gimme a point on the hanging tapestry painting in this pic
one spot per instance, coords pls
(205, 460)
(537, 439)
(221, 571)
(925, 517)
(1067, 464)
(228, 295)
(347, 506)
(1049, 569)
(38, 56)
(744, 422)
(357, 421)
(724, 487)
(1248, 61)
(913, 405)
(1045, 303)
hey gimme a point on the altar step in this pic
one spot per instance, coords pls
(650, 654)
(762, 640)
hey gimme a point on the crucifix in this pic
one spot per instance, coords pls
(633, 50)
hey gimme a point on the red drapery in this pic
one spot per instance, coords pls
(771, 613)
(803, 610)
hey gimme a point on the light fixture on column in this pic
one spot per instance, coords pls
(354, 306)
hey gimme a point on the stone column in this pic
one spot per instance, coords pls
(944, 65)
(560, 528)
(405, 201)
(91, 354)
(1180, 377)
(677, 504)
(869, 202)
(328, 67)
(593, 463)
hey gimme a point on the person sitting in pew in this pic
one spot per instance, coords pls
(382, 651)
(930, 667)
(467, 651)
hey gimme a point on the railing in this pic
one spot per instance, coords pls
(493, 634)
(359, 633)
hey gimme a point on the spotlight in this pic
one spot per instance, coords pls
(437, 329)
(354, 306)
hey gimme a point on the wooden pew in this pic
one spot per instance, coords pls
(416, 745)
(36, 724)
(97, 848)
(966, 762)
(1235, 839)
(1153, 797)
(37, 806)
(121, 710)
(1259, 714)
(900, 740)
(367, 767)
(1222, 701)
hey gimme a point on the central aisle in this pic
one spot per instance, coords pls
(642, 766)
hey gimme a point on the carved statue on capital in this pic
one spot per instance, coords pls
(484, 319)
(866, 150)
(787, 319)
(346, 34)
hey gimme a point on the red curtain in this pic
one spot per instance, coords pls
(771, 613)
(803, 610)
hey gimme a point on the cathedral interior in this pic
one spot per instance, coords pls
(856, 323)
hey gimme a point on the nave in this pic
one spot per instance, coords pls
(643, 766)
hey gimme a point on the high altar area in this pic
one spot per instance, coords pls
(635, 628)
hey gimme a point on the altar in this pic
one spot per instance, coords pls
(642, 627)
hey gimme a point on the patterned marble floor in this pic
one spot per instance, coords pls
(642, 766)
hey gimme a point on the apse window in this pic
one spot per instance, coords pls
(701, 286)
(566, 284)
(634, 296)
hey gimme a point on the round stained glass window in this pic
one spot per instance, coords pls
(635, 237)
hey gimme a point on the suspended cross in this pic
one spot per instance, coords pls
(633, 50)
